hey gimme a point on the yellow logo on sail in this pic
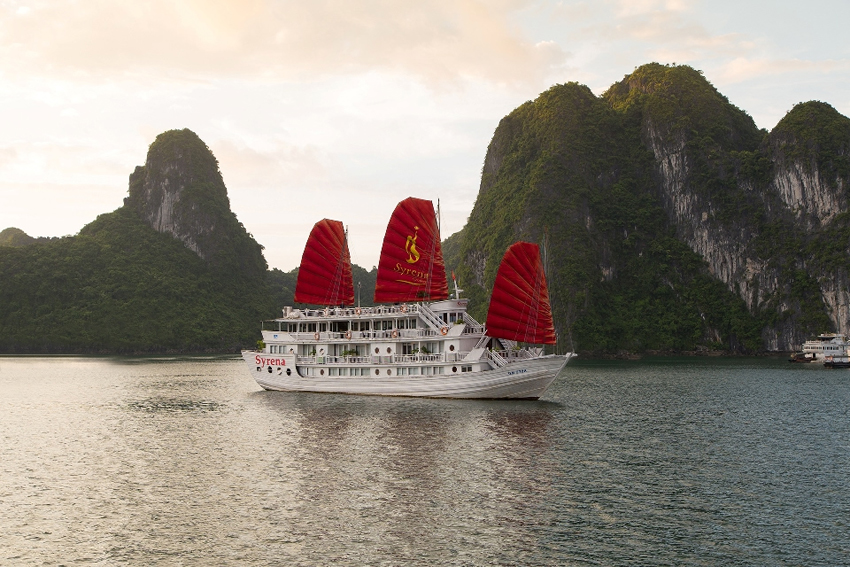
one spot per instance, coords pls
(410, 247)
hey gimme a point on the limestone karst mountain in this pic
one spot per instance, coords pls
(672, 221)
(172, 270)
(180, 191)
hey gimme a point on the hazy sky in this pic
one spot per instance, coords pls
(341, 108)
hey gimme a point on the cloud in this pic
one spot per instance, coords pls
(7, 156)
(282, 164)
(438, 40)
(633, 7)
(743, 69)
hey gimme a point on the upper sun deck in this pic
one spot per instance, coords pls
(420, 319)
(457, 306)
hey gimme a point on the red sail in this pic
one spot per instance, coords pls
(519, 307)
(324, 277)
(411, 266)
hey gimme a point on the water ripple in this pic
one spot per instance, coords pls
(183, 461)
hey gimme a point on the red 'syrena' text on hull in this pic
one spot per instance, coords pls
(263, 361)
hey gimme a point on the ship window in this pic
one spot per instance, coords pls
(377, 350)
(377, 372)
(466, 368)
(389, 350)
(452, 348)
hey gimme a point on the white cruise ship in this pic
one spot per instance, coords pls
(418, 341)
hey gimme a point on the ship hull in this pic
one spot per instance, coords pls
(526, 379)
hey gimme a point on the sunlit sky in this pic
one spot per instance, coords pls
(341, 108)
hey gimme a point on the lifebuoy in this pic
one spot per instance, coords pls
(444, 330)
(358, 311)
(348, 335)
(316, 336)
(404, 308)
(395, 334)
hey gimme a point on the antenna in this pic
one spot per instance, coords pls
(546, 275)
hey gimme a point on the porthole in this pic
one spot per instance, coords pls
(389, 372)
(454, 368)
(377, 350)
(377, 372)
(279, 371)
(270, 369)
(259, 369)
(452, 348)
(322, 371)
(289, 372)
(389, 350)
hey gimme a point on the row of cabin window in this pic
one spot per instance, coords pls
(413, 371)
(450, 317)
(361, 350)
(343, 326)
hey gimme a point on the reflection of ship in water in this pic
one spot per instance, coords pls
(529, 428)
(385, 473)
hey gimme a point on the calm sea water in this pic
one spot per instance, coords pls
(178, 461)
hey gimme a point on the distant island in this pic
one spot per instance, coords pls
(671, 224)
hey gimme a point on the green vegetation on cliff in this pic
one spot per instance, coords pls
(120, 286)
(627, 187)
(16, 237)
(172, 270)
(671, 223)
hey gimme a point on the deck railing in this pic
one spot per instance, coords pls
(400, 334)
(382, 359)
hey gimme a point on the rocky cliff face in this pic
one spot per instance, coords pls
(766, 212)
(797, 195)
(180, 191)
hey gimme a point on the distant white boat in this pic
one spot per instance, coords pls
(420, 342)
(825, 345)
